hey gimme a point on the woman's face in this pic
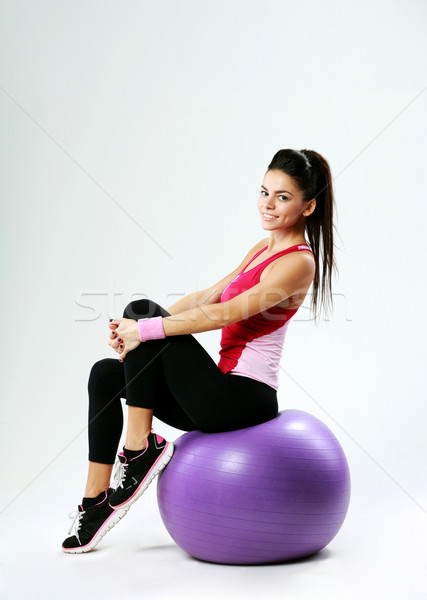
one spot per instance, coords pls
(280, 203)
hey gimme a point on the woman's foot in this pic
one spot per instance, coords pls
(134, 475)
(91, 524)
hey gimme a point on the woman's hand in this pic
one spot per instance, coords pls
(124, 337)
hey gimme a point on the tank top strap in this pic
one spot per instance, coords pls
(253, 258)
(295, 248)
(305, 247)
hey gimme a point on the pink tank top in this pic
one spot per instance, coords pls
(253, 347)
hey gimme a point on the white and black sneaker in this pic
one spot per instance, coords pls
(134, 476)
(91, 524)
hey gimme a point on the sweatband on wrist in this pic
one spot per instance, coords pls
(151, 328)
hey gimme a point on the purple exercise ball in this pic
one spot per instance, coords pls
(263, 494)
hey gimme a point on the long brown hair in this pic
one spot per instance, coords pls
(312, 174)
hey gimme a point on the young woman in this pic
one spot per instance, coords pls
(162, 370)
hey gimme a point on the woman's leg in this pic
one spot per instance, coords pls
(98, 479)
(213, 401)
(106, 387)
(176, 380)
(139, 427)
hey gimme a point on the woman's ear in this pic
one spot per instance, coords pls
(310, 207)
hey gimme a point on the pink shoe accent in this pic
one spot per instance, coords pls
(159, 438)
(145, 478)
(145, 449)
(122, 454)
(103, 500)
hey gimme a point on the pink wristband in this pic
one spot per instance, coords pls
(151, 328)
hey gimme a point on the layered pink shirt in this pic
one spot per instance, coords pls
(253, 347)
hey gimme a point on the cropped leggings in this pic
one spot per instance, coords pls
(179, 380)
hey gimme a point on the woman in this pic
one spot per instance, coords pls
(163, 371)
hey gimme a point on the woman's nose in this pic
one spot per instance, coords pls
(268, 205)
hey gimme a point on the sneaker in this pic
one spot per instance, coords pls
(133, 477)
(92, 524)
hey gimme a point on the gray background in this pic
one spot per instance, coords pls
(134, 139)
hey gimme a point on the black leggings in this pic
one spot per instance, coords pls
(179, 380)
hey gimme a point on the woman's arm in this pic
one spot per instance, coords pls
(191, 301)
(279, 284)
(194, 320)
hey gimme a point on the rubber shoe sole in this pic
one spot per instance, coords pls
(158, 466)
(105, 527)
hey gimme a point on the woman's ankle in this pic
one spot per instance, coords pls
(94, 492)
(134, 442)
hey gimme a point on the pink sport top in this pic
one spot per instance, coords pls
(253, 347)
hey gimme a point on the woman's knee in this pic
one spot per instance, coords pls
(101, 371)
(138, 309)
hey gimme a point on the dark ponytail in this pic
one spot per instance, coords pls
(312, 174)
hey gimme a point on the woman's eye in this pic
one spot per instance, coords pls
(281, 196)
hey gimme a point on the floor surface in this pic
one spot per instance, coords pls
(380, 552)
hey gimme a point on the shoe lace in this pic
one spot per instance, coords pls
(119, 474)
(76, 524)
